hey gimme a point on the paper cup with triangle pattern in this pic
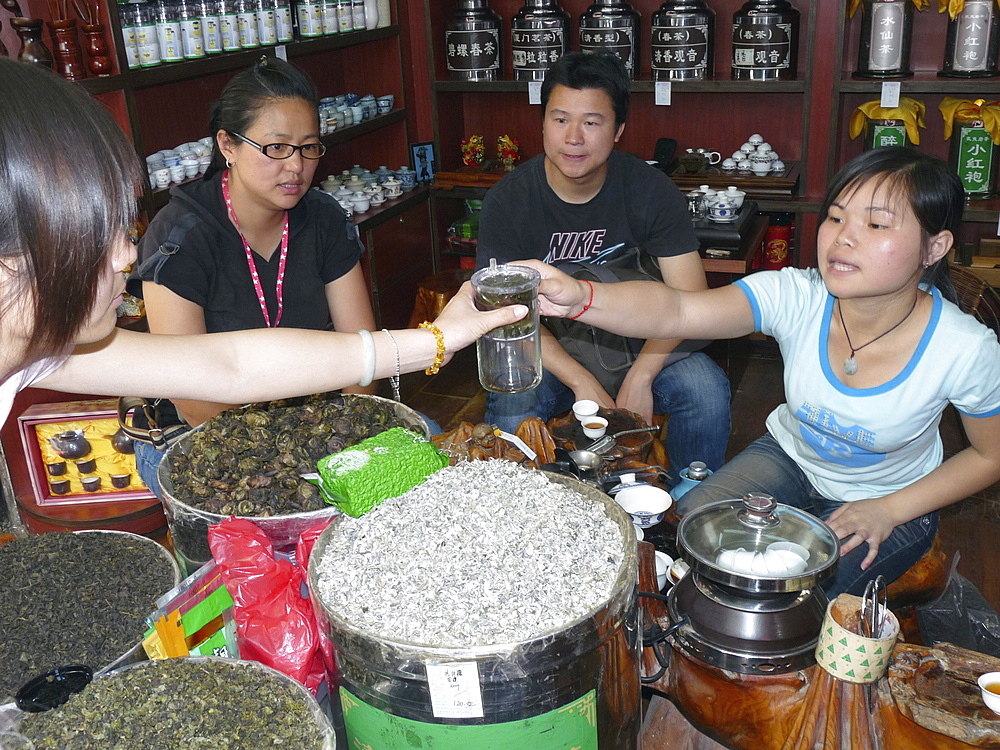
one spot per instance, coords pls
(847, 655)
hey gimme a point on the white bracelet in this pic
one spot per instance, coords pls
(369, 363)
(394, 379)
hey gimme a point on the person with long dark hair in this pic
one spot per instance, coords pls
(68, 184)
(874, 349)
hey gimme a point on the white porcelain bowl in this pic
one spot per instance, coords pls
(645, 503)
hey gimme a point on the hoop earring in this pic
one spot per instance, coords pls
(229, 163)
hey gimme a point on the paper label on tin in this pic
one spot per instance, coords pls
(534, 92)
(661, 93)
(890, 94)
(886, 49)
(455, 690)
(971, 45)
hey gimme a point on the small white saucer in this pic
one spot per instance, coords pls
(730, 220)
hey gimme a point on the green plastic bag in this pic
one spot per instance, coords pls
(385, 465)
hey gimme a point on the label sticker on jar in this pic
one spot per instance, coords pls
(455, 690)
(473, 50)
(759, 47)
(681, 48)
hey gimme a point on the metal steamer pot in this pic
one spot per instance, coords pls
(734, 618)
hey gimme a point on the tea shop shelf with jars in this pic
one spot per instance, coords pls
(931, 69)
(716, 111)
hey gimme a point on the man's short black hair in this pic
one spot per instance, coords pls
(600, 69)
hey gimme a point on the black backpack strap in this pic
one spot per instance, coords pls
(159, 438)
(168, 247)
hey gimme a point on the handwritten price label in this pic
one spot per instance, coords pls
(455, 690)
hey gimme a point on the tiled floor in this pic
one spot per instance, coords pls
(971, 527)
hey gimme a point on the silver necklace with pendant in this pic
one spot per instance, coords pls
(851, 364)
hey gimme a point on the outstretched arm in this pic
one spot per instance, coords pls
(264, 364)
(646, 309)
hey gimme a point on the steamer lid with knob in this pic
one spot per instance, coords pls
(758, 545)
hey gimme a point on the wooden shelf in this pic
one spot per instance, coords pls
(927, 83)
(103, 85)
(231, 61)
(377, 215)
(638, 87)
(362, 128)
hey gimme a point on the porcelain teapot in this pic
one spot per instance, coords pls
(360, 201)
(393, 188)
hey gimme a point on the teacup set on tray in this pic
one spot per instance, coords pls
(755, 156)
(358, 189)
(716, 205)
(174, 165)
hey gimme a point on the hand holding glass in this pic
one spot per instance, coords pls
(510, 357)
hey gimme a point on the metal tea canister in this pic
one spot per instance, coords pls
(886, 30)
(613, 25)
(472, 42)
(539, 34)
(510, 357)
(765, 41)
(683, 40)
(973, 39)
(974, 130)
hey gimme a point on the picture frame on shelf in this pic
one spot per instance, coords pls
(423, 159)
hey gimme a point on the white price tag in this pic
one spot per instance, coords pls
(455, 690)
(661, 93)
(890, 94)
(534, 92)
(280, 52)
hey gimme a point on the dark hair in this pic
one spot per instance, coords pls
(240, 103)
(600, 69)
(68, 183)
(932, 189)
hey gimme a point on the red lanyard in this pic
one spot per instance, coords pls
(253, 266)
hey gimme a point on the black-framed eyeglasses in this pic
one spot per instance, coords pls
(284, 150)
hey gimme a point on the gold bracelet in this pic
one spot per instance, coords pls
(439, 355)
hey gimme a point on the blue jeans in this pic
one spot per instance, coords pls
(765, 467)
(694, 391)
(147, 459)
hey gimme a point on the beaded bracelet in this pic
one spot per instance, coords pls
(394, 379)
(368, 345)
(589, 302)
(439, 355)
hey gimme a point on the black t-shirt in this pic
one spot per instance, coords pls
(193, 249)
(638, 205)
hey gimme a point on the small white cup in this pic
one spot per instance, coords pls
(738, 156)
(594, 427)
(756, 139)
(176, 173)
(162, 177)
(990, 698)
(729, 164)
(764, 148)
(761, 168)
(748, 148)
(745, 166)
(777, 165)
(663, 563)
(585, 408)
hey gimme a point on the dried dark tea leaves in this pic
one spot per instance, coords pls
(74, 599)
(248, 462)
(185, 704)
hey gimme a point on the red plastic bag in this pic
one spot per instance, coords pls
(275, 624)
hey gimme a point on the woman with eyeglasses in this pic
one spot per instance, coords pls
(250, 245)
(64, 244)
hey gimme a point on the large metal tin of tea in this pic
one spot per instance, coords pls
(596, 654)
(189, 525)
